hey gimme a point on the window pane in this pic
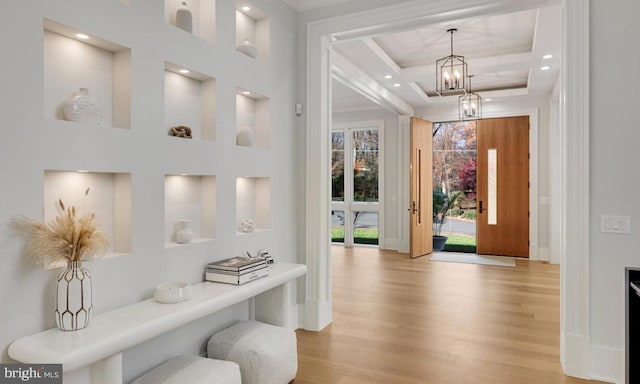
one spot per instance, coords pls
(337, 166)
(337, 226)
(365, 165)
(365, 228)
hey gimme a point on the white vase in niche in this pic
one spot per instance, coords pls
(82, 108)
(74, 304)
(245, 136)
(184, 234)
(248, 48)
(184, 19)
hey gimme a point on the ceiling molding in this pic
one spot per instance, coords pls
(431, 13)
(502, 62)
(307, 5)
(378, 51)
(349, 75)
(502, 93)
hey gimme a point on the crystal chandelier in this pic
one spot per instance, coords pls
(470, 104)
(451, 72)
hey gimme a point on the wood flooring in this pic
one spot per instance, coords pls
(404, 321)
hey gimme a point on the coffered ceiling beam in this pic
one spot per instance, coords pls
(351, 76)
(432, 12)
(508, 62)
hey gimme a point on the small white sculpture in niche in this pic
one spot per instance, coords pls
(248, 49)
(247, 225)
(245, 136)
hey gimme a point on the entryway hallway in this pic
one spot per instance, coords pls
(403, 321)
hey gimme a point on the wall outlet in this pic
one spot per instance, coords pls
(615, 224)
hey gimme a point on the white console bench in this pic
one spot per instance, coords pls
(100, 345)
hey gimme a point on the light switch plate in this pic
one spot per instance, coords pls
(615, 224)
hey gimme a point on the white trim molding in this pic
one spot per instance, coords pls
(574, 291)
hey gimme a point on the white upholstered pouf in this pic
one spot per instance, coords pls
(192, 370)
(265, 353)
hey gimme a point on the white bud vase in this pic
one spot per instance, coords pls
(74, 304)
(184, 234)
(184, 20)
(82, 108)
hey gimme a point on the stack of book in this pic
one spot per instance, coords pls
(237, 270)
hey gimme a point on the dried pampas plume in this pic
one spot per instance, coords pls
(69, 237)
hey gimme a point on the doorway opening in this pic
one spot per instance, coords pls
(454, 185)
(355, 183)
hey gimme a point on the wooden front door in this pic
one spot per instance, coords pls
(421, 206)
(503, 187)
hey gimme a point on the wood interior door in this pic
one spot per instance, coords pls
(503, 187)
(421, 209)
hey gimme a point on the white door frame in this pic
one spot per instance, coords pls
(575, 327)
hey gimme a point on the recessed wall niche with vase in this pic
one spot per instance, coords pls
(253, 119)
(197, 17)
(252, 31)
(91, 66)
(189, 209)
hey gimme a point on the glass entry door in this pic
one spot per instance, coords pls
(355, 181)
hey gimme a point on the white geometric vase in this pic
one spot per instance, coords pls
(74, 304)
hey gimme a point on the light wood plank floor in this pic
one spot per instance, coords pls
(398, 320)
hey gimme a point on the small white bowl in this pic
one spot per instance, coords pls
(172, 292)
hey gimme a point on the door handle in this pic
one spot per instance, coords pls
(480, 207)
(414, 210)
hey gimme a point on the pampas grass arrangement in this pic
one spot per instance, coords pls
(71, 236)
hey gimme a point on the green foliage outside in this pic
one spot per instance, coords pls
(470, 214)
(360, 236)
(460, 243)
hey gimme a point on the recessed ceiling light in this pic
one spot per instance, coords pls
(246, 93)
(185, 71)
(487, 99)
(246, 8)
(82, 36)
(396, 84)
(545, 68)
(184, 174)
(546, 57)
(388, 76)
(82, 171)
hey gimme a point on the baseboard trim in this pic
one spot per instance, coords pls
(607, 364)
(544, 253)
(592, 362)
(317, 315)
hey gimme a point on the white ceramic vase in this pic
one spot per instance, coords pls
(74, 303)
(82, 107)
(248, 49)
(245, 136)
(184, 19)
(184, 234)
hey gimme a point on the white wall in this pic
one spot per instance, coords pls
(34, 142)
(614, 170)
(391, 175)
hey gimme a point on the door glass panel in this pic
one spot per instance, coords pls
(337, 167)
(337, 226)
(492, 187)
(365, 165)
(365, 227)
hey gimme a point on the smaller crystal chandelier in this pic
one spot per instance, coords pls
(451, 72)
(470, 104)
